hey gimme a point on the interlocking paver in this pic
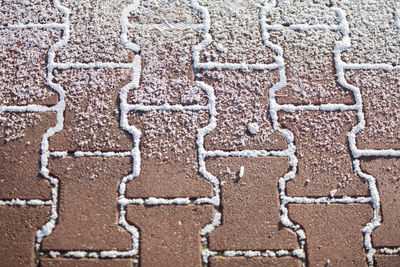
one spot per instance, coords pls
(334, 232)
(170, 234)
(387, 260)
(250, 204)
(18, 226)
(254, 262)
(324, 157)
(23, 70)
(169, 165)
(239, 103)
(88, 207)
(387, 174)
(381, 108)
(86, 263)
(92, 112)
(20, 141)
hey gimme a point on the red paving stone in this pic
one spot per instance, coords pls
(92, 111)
(20, 157)
(254, 262)
(170, 235)
(324, 158)
(387, 174)
(331, 239)
(169, 164)
(381, 108)
(250, 205)
(387, 260)
(240, 102)
(88, 208)
(86, 263)
(18, 227)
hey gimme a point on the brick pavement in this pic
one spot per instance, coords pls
(199, 133)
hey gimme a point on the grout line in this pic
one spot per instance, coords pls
(167, 26)
(55, 26)
(28, 202)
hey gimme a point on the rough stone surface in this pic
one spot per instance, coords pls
(387, 260)
(255, 197)
(20, 139)
(381, 108)
(170, 235)
(92, 111)
(23, 70)
(387, 174)
(324, 157)
(86, 263)
(331, 239)
(88, 208)
(254, 262)
(169, 165)
(18, 227)
(240, 102)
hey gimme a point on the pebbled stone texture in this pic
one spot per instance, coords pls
(240, 102)
(324, 157)
(169, 164)
(250, 204)
(20, 141)
(254, 262)
(91, 118)
(18, 227)
(387, 175)
(88, 204)
(331, 239)
(387, 260)
(86, 263)
(170, 234)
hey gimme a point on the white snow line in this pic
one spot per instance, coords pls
(167, 26)
(95, 65)
(78, 154)
(246, 153)
(25, 202)
(154, 201)
(323, 107)
(273, 109)
(259, 253)
(235, 66)
(60, 107)
(27, 108)
(55, 26)
(376, 153)
(374, 195)
(300, 27)
(368, 66)
(166, 107)
(325, 200)
(388, 251)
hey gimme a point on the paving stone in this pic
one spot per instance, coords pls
(170, 234)
(18, 227)
(241, 102)
(334, 232)
(387, 174)
(86, 263)
(23, 62)
(20, 141)
(235, 32)
(169, 164)
(96, 33)
(387, 260)
(373, 40)
(92, 116)
(324, 157)
(309, 61)
(88, 204)
(381, 108)
(167, 75)
(250, 204)
(14, 12)
(254, 262)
